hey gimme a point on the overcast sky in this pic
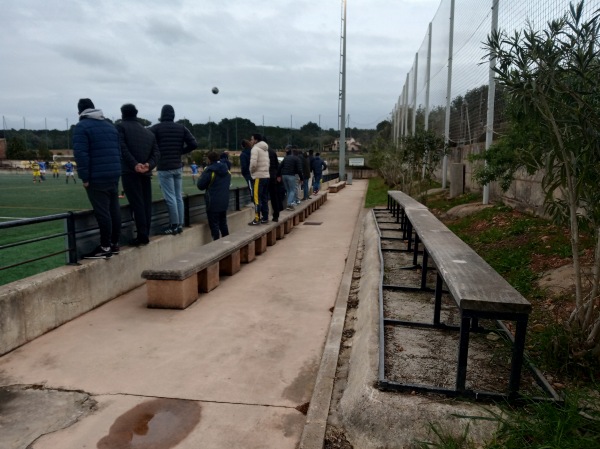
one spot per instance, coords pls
(276, 60)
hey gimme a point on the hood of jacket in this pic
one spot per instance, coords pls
(262, 145)
(220, 168)
(95, 114)
(167, 113)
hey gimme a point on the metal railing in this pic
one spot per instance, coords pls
(80, 231)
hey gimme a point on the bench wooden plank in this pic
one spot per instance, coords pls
(469, 278)
(404, 200)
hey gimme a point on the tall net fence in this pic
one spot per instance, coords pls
(446, 90)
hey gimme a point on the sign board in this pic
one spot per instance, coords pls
(356, 162)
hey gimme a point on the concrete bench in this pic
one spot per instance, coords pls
(176, 283)
(335, 188)
(477, 289)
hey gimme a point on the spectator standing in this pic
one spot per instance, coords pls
(305, 176)
(216, 179)
(259, 171)
(245, 163)
(139, 156)
(274, 185)
(173, 140)
(98, 156)
(288, 169)
(318, 167)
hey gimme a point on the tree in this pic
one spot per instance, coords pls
(403, 165)
(16, 148)
(551, 81)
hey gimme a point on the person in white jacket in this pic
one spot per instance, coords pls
(259, 171)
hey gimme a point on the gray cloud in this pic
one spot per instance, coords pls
(277, 59)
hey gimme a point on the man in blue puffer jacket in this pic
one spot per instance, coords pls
(98, 156)
(215, 179)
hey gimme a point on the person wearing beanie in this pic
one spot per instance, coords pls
(98, 155)
(173, 140)
(139, 156)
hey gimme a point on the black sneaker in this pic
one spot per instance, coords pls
(264, 221)
(138, 242)
(275, 219)
(99, 253)
(170, 230)
(179, 229)
(254, 223)
(115, 249)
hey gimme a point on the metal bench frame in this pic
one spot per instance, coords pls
(500, 302)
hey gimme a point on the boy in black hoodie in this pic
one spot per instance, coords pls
(216, 179)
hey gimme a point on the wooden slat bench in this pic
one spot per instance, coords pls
(335, 188)
(176, 283)
(477, 289)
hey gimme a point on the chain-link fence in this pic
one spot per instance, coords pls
(446, 90)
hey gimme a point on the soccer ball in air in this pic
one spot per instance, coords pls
(215, 90)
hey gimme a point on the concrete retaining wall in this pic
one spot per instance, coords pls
(525, 193)
(37, 304)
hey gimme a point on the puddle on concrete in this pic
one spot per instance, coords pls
(156, 424)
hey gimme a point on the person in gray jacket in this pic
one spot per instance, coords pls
(173, 140)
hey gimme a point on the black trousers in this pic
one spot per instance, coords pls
(276, 197)
(138, 189)
(260, 195)
(104, 199)
(217, 222)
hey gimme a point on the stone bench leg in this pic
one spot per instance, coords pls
(247, 253)
(271, 237)
(289, 224)
(296, 219)
(260, 244)
(208, 279)
(280, 231)
(230, 265)
(168, 294)
(303, 215)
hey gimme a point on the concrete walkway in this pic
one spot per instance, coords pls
(234, 370)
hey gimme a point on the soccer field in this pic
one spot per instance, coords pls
(20, 197)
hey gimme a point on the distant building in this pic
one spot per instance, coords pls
(2, 149)
(352, 146)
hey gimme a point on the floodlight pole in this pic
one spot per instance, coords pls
(489, 132)
(342, 157)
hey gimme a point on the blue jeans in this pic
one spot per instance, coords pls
(305, 191)
(316, 182)
(171, 185)
(289, 181)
